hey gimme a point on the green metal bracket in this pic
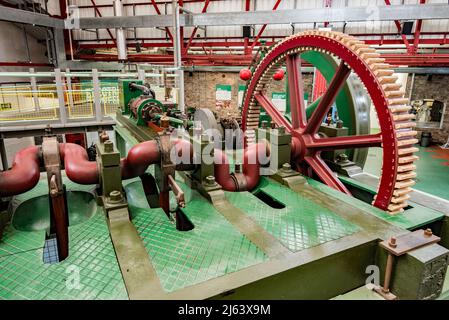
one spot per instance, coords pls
(126, 94)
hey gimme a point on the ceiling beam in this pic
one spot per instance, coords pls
(348, 14)
(28, 17)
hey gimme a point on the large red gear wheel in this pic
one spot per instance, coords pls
(397, 136)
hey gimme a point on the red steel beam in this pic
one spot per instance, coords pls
(247, 5)
(241, 43)
(276, 5)
(413, 60)
(99, 14)
(153, 2)
(398, 26)
(206, 4)
(275, 37)
(417, 31)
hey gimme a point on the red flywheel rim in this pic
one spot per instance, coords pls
(359, 59)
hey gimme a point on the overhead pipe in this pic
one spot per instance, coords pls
(250, 175)
(23, 175)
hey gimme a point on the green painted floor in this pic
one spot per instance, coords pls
(295, 230)
(184, 258)
(92, 261)
(432, 171)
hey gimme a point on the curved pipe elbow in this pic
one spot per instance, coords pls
(139, 158)
(252, 158)
(221, 171)
(77, 166)
(23, 175)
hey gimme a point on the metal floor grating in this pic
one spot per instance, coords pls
(181, 259)
(51, 254)
(300, 225)
(24, 275)
(15, 241)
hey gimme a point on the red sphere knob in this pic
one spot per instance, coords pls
(279, 75)
(245, 74)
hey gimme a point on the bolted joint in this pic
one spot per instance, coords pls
(109, 146)
(210, 180)
(115, 196)
(392, 243)
(286, 167)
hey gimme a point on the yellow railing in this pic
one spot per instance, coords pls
(21, 103)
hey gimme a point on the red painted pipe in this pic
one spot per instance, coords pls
(23, 175)
(78, 168)
(139, 158)
(251, 166)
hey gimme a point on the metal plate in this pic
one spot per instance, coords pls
(409, 242)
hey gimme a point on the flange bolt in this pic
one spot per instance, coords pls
(286, 167)
(428, 232)
(210, 180)
(339, 124)
(392, 242)
(115, 196)
(342, 157)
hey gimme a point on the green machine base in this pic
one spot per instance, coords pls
(291, 238)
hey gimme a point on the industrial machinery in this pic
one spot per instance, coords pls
(182, 213)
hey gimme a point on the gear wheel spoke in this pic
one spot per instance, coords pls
(326, 175)
(345, 142)
(274, 113)
(297, 106)
(397, 135)
(328, 98)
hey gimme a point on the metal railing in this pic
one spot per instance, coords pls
(62, 97)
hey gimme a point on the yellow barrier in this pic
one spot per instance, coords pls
(21, 103)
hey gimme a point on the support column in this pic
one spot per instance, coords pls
(97, 95)
(177, 54)
(69, 88)
(120, 33)
(60, 93)
(60, 48)
(35, 91)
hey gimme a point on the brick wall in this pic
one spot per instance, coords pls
(200, 87)
(434, 87)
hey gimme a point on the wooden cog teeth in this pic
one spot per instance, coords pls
(407, 159)
(398, 105)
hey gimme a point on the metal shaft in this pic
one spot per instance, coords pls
(388, 271)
